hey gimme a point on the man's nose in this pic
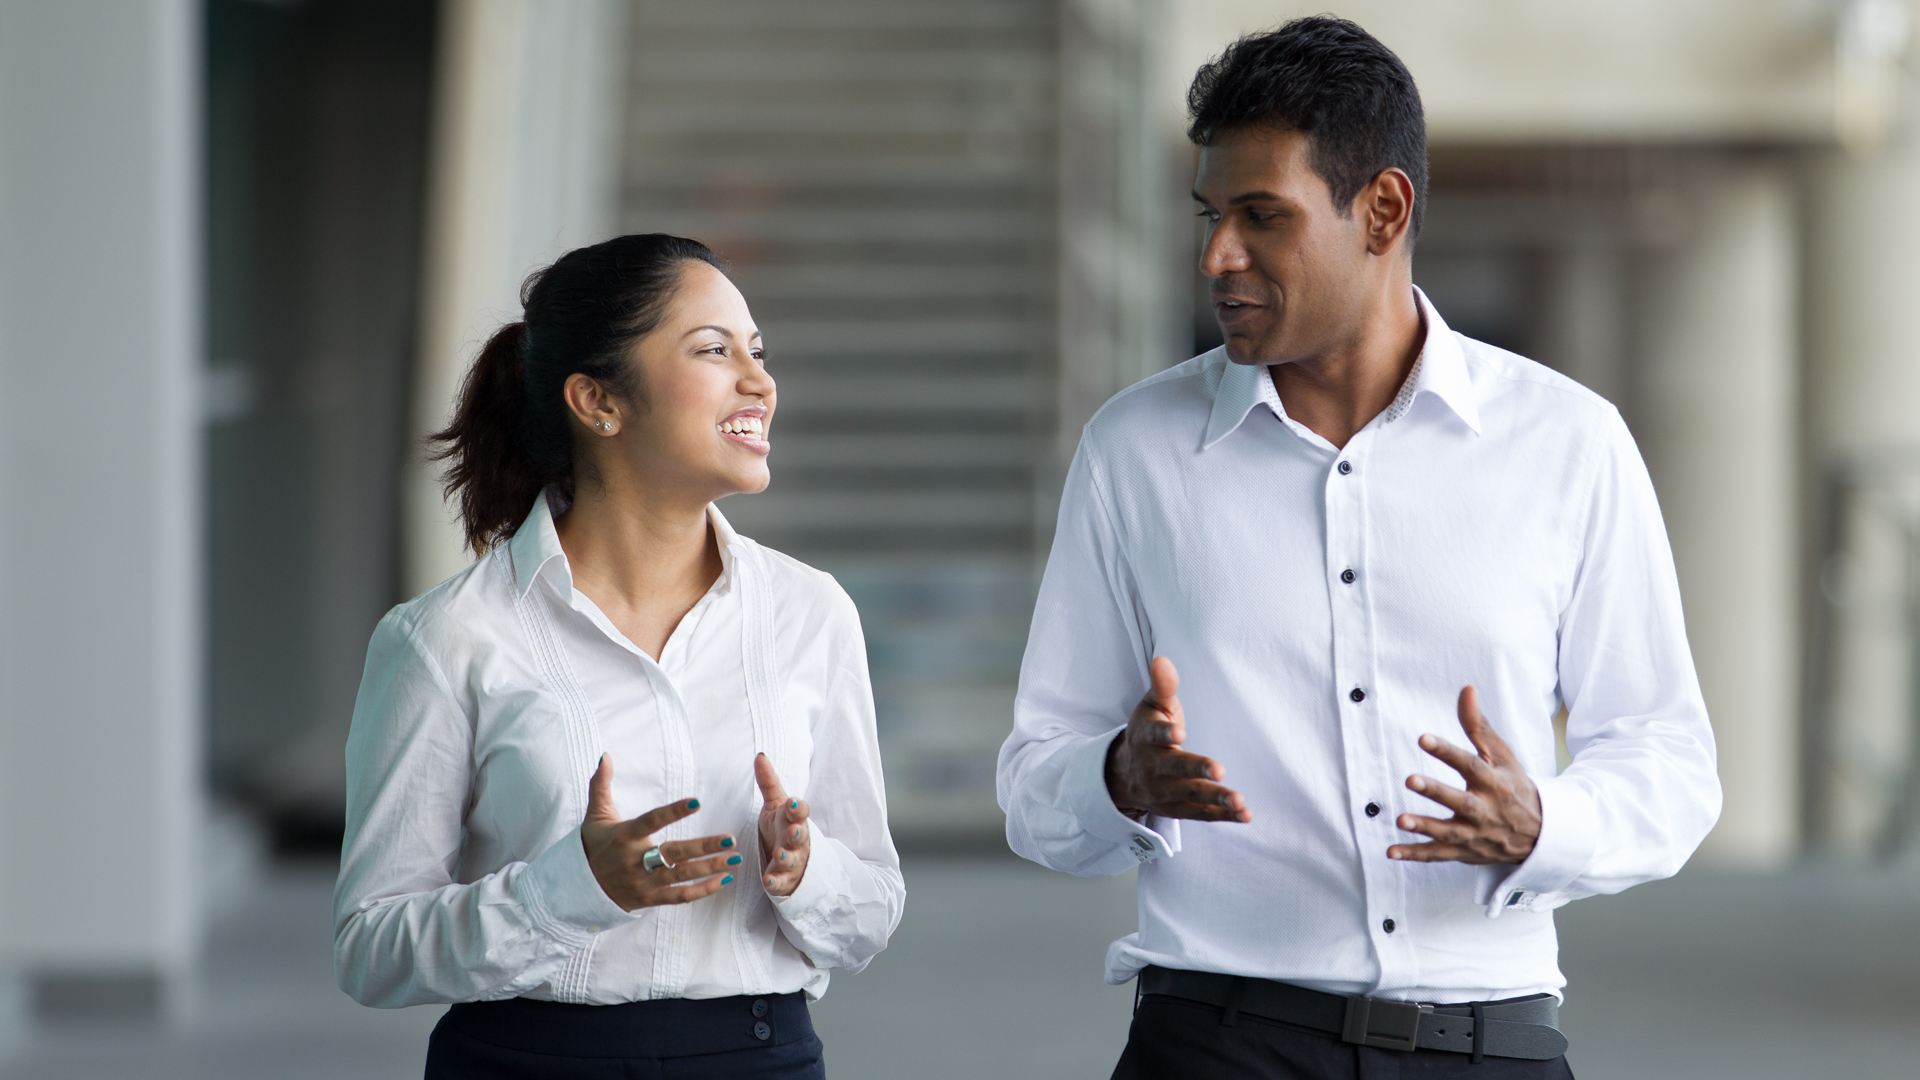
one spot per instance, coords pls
(1224, 254)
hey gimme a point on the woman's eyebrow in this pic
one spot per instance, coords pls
(721, 330)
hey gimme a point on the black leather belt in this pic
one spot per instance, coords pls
(1526, 1027)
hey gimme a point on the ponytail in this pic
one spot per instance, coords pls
(494, 476)
(512, 436)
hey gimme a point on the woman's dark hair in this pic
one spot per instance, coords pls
(1330, 80)
(512, 436)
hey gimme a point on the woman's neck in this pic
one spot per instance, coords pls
(644, 562)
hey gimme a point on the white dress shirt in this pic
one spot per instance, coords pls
(486, 705)
(1502, 532)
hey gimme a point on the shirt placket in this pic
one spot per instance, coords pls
(671, 960)
(1364, 737)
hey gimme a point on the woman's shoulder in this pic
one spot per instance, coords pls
(804, 592)
(454, 615)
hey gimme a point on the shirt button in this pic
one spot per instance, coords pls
(1373, 809)
(760, 1007)
(1348, 576)
(1346, 467)
(1387, 926)
(761, 1031)
(1358, 695)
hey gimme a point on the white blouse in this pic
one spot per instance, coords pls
(484, 709)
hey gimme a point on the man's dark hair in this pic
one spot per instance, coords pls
(1331, 81)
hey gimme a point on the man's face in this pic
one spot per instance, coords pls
(1290, 272)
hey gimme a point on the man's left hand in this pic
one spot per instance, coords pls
(1495, 820)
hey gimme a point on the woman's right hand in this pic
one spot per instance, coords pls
(615, 848)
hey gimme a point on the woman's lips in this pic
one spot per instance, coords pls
(748, 427)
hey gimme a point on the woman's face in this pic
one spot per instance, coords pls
(705, 402)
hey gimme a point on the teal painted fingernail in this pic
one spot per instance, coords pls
(794, 805)
(726, 879)
(726, 841)
(735, 861)
(783, 856)
(693, 804)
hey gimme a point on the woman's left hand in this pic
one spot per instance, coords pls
(785, 839)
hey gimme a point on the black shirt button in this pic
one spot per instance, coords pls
(1387, 926)
(760, 1007)
(1373, 809)
(1348, 576)
(1346, 467)
(1358, 695)
(761, 1031)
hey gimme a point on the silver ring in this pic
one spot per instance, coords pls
(653, 860)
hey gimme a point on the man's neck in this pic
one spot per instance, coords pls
(1337, 394)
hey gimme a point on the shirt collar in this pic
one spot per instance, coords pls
(535, 549)
(1440, 369)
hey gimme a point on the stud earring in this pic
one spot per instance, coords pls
(604, 426)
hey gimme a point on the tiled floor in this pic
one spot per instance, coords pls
(996, 971)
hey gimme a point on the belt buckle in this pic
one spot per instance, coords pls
(1389, 1025)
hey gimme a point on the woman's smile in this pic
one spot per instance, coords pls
(748, 427)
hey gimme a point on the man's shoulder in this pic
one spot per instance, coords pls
(1533, 391)
(1181, 396)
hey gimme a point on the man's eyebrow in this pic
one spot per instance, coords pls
(1246, 197)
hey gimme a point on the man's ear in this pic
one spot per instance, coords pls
(1385, 206)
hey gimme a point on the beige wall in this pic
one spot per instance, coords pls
(1504, 70)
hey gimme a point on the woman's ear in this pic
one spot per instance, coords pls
(592, 405)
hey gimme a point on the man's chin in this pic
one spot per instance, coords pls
(1246, 349)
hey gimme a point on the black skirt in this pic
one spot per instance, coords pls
(731, 1038)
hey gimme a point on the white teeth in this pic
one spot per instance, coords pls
(744, 426)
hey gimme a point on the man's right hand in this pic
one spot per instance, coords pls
(616, 849)
(1147, 772)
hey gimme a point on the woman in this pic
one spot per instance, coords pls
(617, 647)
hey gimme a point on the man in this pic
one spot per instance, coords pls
(1347, 528)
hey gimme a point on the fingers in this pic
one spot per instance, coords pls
(679, 851)
(687, 894)
(1452, 798)
(1453, 831)
(1470, 766)
(695, 869)
(1472, 721)
(660, 817)
(1165, 682)
(1434, 852)
(600, 792)
(771, 790)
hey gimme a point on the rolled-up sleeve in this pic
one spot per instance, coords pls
(850, 900)
(1642, 791)
(405, 931)
(1085, 668)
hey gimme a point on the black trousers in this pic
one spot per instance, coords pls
(732, 1038)
(1176, 1039)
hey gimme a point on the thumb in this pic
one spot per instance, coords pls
(1166, 682)
(770, 787)
(600, 792)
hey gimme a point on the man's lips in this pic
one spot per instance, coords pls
(1232, 308)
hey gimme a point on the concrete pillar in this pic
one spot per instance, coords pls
(1124, 257)
(100, 743)
(526, 165)
(1861, 389)
(1715, 414)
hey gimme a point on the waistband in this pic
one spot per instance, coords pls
(666, 1028)
(1524, 1027)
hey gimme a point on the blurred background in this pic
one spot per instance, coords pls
(247, 248)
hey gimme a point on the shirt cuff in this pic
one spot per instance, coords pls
(1091, 804)
(1569, 832)
(563, 897)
